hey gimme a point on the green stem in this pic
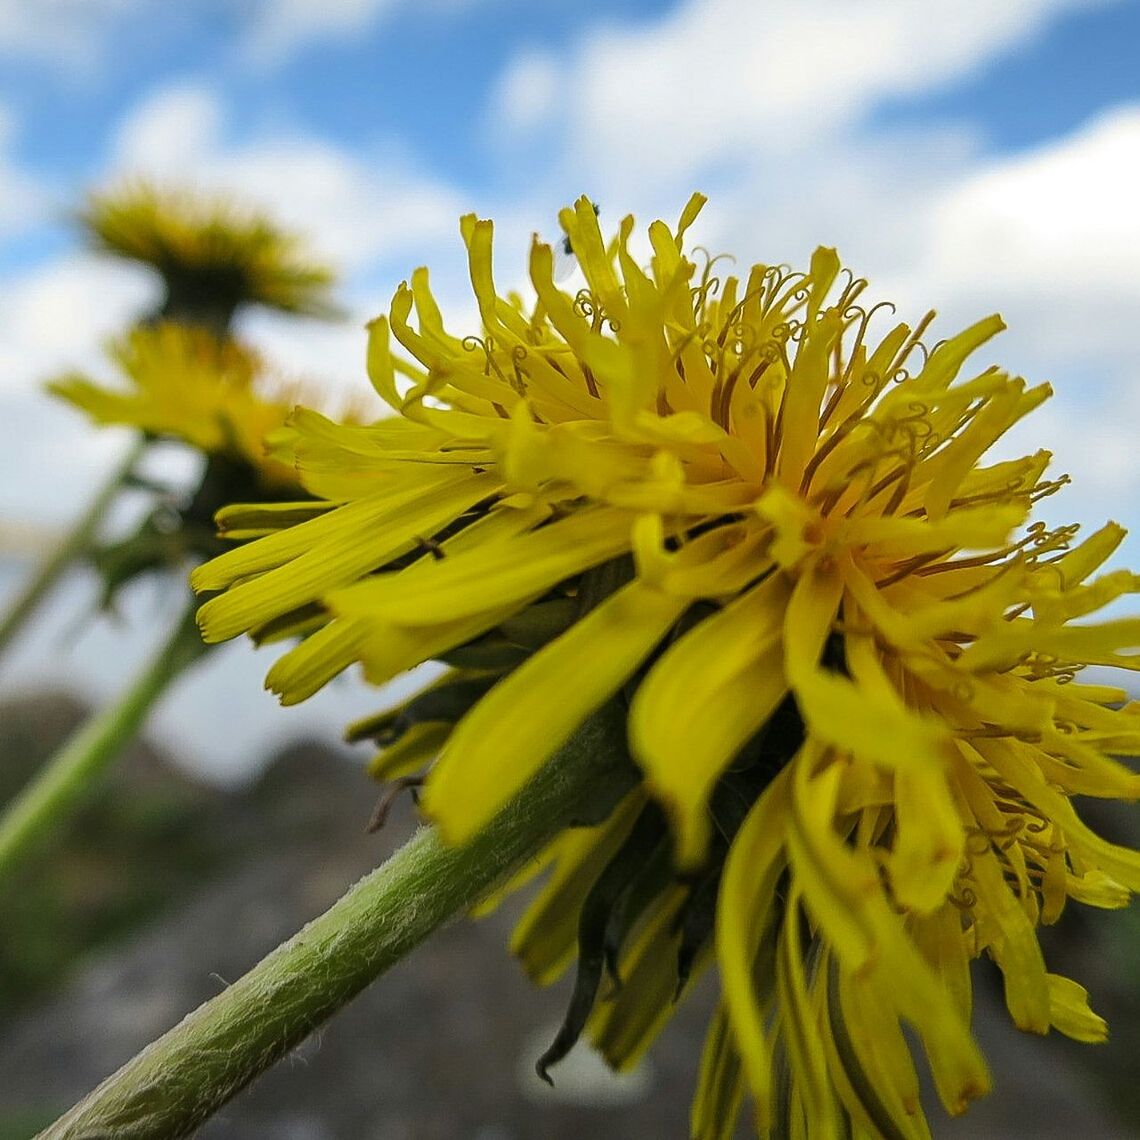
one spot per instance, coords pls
(74, 545)
(185, 1076)
(70, 773)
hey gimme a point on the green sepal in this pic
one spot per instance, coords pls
(616, 878)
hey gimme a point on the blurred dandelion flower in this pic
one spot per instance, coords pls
(212, 254)
(850, 683)
(187, 377)
(183, 383)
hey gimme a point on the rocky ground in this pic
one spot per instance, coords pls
(441, 1048)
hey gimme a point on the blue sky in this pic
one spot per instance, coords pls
(1078, 65)
(964, 155)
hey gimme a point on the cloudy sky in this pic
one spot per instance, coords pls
(964, 155)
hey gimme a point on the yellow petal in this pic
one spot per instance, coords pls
(1001, 647)
(980, 528)
(379, 363)
(333, 528)
(326, 566)
(1012, 942)
(811, 614)
(582, 227)
(241, 522)
(949, 356)
(527, 717)
(693, 207)
(546, 937)
(624, 1025)
(1012, 760)
(873, 724)
(1070, 1012)
(930, 838)
(492, 574)
(1056, 607)
(744, 914)
(708, 693)
(720, 1084)
(321, 656)
(810, 376)
(888, 1089)
(844, 896)
(790, 517)
(942, 942)
(1075, 565)
(390, 648)
(800, 1032)
(840, 885)
(1095, 888)
(413, 751)
(949, 468)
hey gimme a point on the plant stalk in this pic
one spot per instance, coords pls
(185, 1076)
(74, 545)
(68, 776)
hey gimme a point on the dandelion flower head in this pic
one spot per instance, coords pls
(182, 383)
(213, 253)
(179, 382)
(848, 658)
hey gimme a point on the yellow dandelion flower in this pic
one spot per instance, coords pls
(213, 254)
(849, 667)
(183, 383)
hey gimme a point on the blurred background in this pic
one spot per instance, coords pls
(966, 156)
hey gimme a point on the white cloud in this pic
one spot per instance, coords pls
(170, 130)
(366, 207)
(1055, 233)
(719, 78)
(52, 319)
(80, 35)
(52, 316)
(526, 94)
(279, 27)
(69, 32)
(1051, 239)
(366, 210)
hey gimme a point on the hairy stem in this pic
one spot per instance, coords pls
(177, 1082)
